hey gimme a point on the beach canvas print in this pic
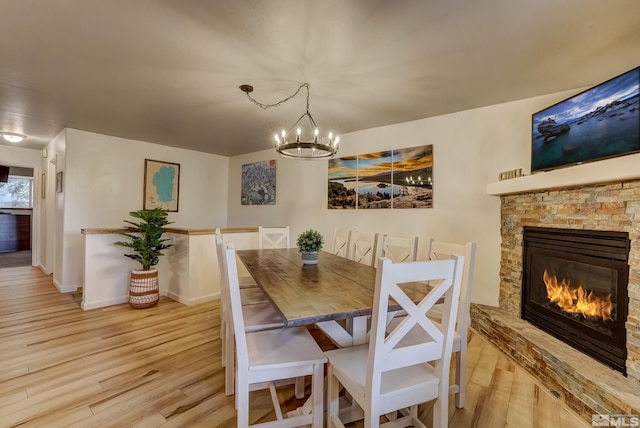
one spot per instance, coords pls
(374, 180)
(412, 177)
(258, 183)
(343, 175)
(599, 123)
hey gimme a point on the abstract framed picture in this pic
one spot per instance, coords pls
(258, 183)
(161, 185)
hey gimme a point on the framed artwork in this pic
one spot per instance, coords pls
(43, 187)
(413, 177)
(161, 185)
(59, 182)
(258, 184)
(374, 180)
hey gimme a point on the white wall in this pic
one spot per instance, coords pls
(103, 182)
(470, 148)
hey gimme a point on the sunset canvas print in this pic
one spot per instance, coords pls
(374, 180)
(343, 175)
(412, 177)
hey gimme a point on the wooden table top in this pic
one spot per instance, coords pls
(336, 288)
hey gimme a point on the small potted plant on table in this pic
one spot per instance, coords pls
(145, 239)
(309, 243)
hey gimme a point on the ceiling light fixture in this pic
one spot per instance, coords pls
(13, 138)
(308, 144)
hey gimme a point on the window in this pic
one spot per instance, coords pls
(17, 192)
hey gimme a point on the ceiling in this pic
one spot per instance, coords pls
(168, 71)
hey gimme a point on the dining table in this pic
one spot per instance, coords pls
(336, 294)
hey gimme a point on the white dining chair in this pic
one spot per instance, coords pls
(399, 249)
(257, 316)
(267, 356)
(273, 237)
(444, 250)
(245, 281)
(363, 247)
(340, 242)
(386, 375)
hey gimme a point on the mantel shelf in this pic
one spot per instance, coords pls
(617, 169)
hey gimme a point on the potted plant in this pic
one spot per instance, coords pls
(309, 243)
(145, 239)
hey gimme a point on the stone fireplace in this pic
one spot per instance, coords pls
(579, 380)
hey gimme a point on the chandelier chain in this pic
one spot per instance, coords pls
(266, 106)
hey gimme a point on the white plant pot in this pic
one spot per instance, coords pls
(310, 258)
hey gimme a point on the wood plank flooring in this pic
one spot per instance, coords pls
(160, 367)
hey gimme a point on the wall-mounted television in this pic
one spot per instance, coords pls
(599, 123)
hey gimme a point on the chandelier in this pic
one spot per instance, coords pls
(308, 143)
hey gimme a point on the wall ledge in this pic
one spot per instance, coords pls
(622, 168)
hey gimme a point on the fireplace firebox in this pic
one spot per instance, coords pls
(575, 288)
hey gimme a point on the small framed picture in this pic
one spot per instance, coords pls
(59, 182)
(161, 185)
(43, 185)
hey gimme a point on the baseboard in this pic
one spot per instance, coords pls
(191, 302)
(103, 303)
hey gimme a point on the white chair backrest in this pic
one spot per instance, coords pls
(400, 250)
(235, 304)
(273, 237)
(385, 350)
(443, 250)
(340, 242)
(363, 248)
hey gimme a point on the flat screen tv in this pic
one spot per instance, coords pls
(599, 123)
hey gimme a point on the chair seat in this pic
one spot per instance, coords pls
(282, 348)
(252, 296)
(261, 316)
(417, 334)
(350, 366)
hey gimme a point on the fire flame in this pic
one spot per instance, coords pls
(576, 300)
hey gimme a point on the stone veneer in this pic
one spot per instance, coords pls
(612, 206)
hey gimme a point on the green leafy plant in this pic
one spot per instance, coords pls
(309, 241)
(146, 236)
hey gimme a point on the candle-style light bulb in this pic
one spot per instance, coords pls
(330, 136)
(277, 140)
(315, 136)
(298, 136)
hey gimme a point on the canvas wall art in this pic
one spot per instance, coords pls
(413, 177)
(374, 180)
(343, 176)
(401, 178)
(161, 185)
(258, 183)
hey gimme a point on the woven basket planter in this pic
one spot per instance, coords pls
(143, 289)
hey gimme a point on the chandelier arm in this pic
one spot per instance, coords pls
(266, 106)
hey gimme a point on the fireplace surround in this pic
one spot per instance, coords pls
(574, 286)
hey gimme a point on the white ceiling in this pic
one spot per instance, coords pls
(168, 71)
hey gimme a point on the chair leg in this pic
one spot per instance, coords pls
(317, 393)
(223, 337)
(441, 410)
(333, 397)
(230, 367)
(242, 402)
(461, 376)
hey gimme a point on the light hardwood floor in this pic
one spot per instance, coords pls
(160, 367)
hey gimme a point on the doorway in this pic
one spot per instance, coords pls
(16, 214)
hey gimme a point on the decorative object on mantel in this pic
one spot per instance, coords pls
(258, 183)
(508, 175)
(147, 243)
(161, 185)
(599, 123)
(305, 145)
(309, 243)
